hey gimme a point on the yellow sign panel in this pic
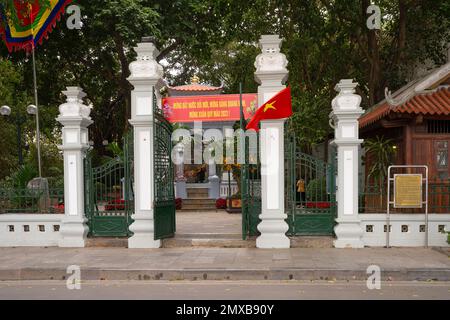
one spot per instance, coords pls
(408, 191)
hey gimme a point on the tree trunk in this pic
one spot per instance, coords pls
(374, 77)
(124, 85)
(401, 40)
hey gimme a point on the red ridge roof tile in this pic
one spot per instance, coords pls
(428, 103)
(195, 87)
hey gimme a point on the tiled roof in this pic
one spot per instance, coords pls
(435, 102)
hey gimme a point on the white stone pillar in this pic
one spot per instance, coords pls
(180, 183)
(74, 116)
(146, 76)
(213, 179)
(272, 74)
(345, 115)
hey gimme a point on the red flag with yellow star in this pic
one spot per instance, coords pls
(279, 107)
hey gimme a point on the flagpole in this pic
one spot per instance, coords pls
(240, 106)
(242, 137)
(38, 132)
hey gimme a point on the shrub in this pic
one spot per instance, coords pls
(316, 190)
(59, 208)
(115, 205)
(318, 205)
(221, 203)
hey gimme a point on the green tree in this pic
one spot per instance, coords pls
(9, 87)
(325, 40)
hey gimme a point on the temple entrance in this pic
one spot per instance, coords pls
(205, 190)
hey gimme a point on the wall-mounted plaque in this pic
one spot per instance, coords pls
(408, 191)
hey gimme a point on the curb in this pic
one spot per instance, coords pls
(226, 274)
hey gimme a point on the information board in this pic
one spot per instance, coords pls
(408, 191)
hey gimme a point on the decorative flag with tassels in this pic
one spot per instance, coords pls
(279, 107)
(26, 23)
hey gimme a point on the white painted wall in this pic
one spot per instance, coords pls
(405, 230)
(30, 230)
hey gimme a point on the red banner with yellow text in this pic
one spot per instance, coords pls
(224, 107)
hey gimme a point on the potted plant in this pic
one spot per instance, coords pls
(234, 201)
(221, 203)
(178, 203)
(316, 194)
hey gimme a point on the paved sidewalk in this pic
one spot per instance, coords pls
(222, 264)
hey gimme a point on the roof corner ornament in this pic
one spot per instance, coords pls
(195, 80)
(391, 101)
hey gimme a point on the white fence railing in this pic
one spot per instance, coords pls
(29, 230)
(225, 187)
(407, 230)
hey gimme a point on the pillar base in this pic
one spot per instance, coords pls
(73, 232)
(273, 232)
(143, 242)
(143, 237)
(349, 234)
(180, 189)
(214, 187)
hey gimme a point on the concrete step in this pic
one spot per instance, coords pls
(201, 210)
(202, 193)
(199, 207)
(224, 236)
(199, 204)
(193, 201)
(107, 243)
(197, 196)
(209, 240)
(214, 240)
(207, 243)
(312, 242)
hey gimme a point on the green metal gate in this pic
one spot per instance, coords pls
(109, 193)
(251, 189)
(312, 211)
(164, 193)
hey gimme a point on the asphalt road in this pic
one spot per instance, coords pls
(222, 290)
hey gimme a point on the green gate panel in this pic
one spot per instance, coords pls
(251, 190)
(109, 227)
(164, 189)
(313, 225)
(311, 212)
(109, 196)
(165, 220)
(254, 220)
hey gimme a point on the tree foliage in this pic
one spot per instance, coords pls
(325, 41)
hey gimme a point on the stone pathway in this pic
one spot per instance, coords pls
(208, 222)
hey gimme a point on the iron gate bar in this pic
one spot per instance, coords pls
(313, 211)
(251, 190)
(164, 192)
(108, 194)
